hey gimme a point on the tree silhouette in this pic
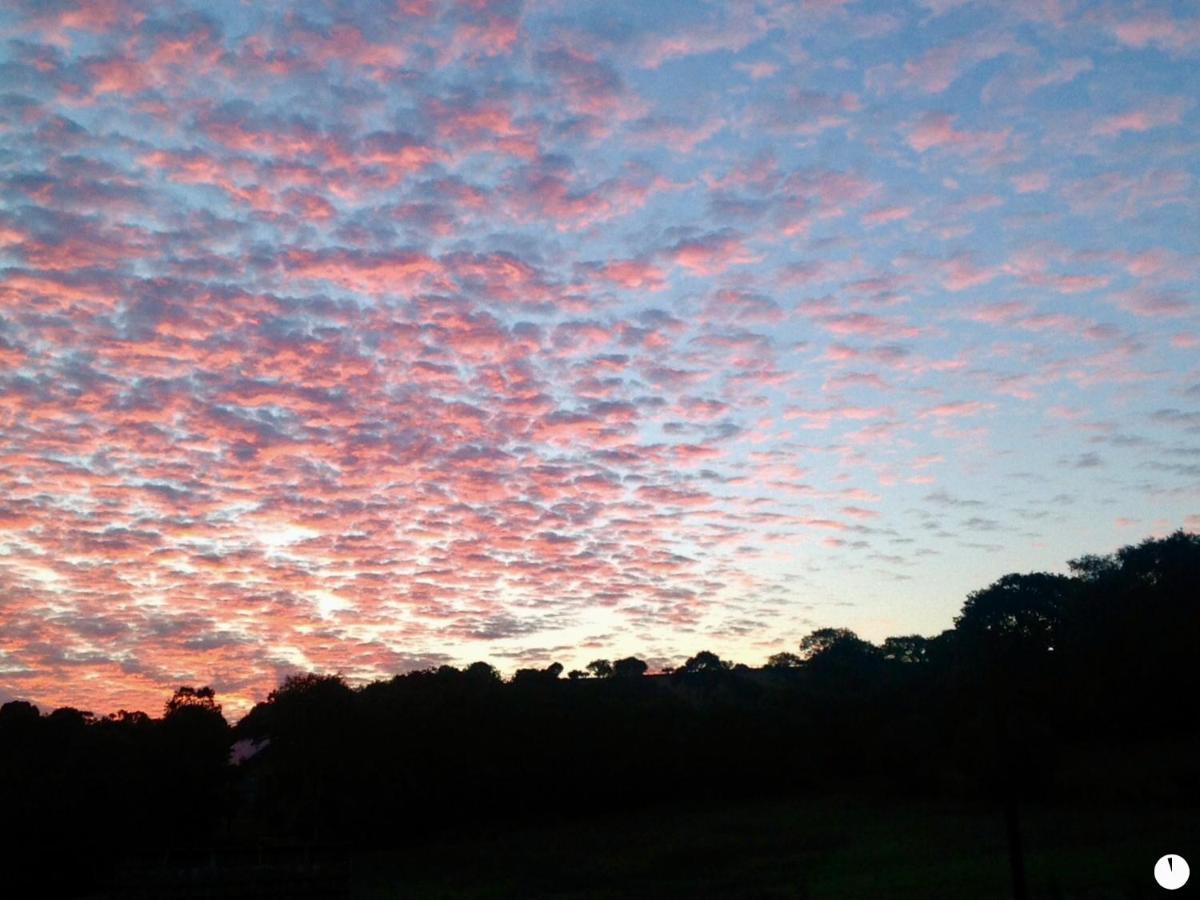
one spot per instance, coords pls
(18, 715)
(1018, 611)
(910, 648)
(196, 739)
(538, 676)
(784, 660)
(824, 640)
(600, 668)
(705, 662)
(482, 673)
(629, 667)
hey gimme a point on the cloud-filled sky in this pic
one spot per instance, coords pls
(367, 336)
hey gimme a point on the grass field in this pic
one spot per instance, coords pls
(837, 850)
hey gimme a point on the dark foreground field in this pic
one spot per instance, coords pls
(835, 849)
(831, 850)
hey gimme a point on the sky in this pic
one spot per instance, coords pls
(372, 336)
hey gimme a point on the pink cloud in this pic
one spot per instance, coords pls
(1158, 29)
(1031, 182)
(677, 134)
(98, 16)
(956, 409)
(1154, 303)
(1064, 72)
(936, 131)
(632, 274)
(960, 273)
(999, 313)
(589, 86)
(486, 28)
(711, 254)
(743, 306)
(940, 67)
(1162, 112)
(757, 70)
(708, 37)
(668, 496)
(884, 214)
(373, 273)
(396, 151)
(868, 325)
(118, 75)
(479, 125)
(823, 418)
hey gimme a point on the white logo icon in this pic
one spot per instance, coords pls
(1171, 872)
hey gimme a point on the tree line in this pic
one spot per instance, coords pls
(1047, 686)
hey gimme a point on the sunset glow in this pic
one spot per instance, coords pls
(369, 336)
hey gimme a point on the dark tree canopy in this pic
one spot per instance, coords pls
(1018, 609)
(482, 672)
(16, 713)
(1093, 568)
(784, 660)
(910, 648)
(629, 667)
(309, 685)
(192, 698)
(538, 676)
(705, 661)
(824, 640)
(600, 668)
